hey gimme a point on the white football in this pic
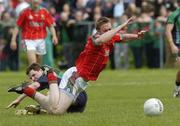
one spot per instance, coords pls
(153, 107)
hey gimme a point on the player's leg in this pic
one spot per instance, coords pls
(39, 59)
(30, 47)
(178, 78)
(42, 100)
(78, 106)
(59, 100)
(70, 86)
(177, 85)
(56, 102)
(64, 102)
(176, 92)
(31, 56)
(30, 90)
(40, 50)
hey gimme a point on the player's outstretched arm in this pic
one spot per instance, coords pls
(16, 102)
(107, 36)
(127, 36)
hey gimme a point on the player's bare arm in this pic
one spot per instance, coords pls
(127, 36)
(16, 102)
(13, 44)
(169, 28)
(107, 36)
(54, 36)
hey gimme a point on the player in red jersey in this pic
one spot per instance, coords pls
(88, 66)
(33, 22)
(96, 53)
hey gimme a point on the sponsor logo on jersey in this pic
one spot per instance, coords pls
(30, 17)
(36, 24)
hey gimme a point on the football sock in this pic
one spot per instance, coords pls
(177, 83)
(52, 79)
(29, 92)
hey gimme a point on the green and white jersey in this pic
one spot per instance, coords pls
(174, 18)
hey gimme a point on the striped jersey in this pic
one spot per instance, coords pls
(174, 18)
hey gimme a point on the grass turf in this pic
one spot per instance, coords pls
(116, 99)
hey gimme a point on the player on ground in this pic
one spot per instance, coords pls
(33, 22)
(88, 66)
(38, 75)
(173, 38)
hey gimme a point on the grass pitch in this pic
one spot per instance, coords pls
(116, 99)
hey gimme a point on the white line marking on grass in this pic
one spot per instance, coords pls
(131, 83)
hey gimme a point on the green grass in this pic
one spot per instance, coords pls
(116, 99)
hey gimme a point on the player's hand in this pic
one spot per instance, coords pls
(130, 20)
(13, 104)
(45, 69)
(13, 45)
(141, 33)
(55, 40)
(174, 49)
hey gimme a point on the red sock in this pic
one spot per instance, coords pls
(52, 78)
(29, 91)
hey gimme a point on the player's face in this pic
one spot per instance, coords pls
(105, 27)
(35, 75)
(35, 3)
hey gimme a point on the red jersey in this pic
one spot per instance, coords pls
(94, 58)
(34, 23)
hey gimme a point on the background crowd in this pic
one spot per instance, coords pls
(75, 22)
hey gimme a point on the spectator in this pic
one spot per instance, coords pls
(2, 8)
(64, 25)
(79, 34)
(10, 57)
(159, 45)
(121, 49)
(118, 8)
(146, 21)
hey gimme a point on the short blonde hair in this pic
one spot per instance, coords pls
(101, 21)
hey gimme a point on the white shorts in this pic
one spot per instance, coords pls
(38, 45)
(71, 89)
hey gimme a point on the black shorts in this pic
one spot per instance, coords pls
(80, 103)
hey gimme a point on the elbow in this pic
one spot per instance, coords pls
(98, 41)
